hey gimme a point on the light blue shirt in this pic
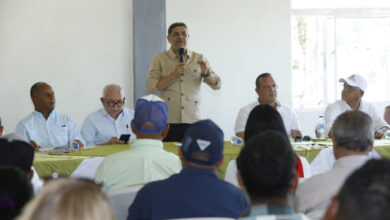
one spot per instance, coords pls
(99, 127)
(285, 212)
(59, 130)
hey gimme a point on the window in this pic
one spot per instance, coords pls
(328, 44)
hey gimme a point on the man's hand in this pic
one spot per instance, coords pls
(204, 67)
(35, 145)
(114, 140)
(378, 134)
(81, 145)
(179, 70)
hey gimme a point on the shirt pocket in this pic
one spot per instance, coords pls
(193, 72)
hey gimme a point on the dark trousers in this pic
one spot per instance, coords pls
(176, 132)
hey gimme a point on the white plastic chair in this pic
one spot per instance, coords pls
(121, 199)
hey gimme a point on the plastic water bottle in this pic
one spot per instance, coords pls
(236, 140)
(75, 146)
(320, 128)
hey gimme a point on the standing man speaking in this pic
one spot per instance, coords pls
(178, 73)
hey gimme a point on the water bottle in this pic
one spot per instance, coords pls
(74, 146)
(320, 128)
(236, 140)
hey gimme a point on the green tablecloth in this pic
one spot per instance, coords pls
(65, 164)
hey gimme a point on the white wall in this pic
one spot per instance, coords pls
(241, 39)
(77, 46)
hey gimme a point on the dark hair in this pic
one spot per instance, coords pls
(267, 166)
(16, 153)
(176, 24)
(353, 130)
(261, 76)
(366, 193)
(34, 88)
(15, 191)
(263, 117)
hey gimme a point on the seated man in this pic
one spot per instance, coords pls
(106, 125)
(266, 170)
(351, 99)
(15, 191)
(146, 160)
(353, 138)
(196, 191)
(365, 195)
(16, 152)
(266, 89)
(45, 127)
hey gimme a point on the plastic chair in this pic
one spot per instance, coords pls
(121, 199)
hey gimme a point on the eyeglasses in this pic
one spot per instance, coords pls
(112, 103)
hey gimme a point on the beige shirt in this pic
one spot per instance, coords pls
(316, 192)
(183, 95)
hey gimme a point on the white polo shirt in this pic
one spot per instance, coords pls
(335, 109)
(289, 117)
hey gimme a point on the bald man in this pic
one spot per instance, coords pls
(106, 125)
(45, 127)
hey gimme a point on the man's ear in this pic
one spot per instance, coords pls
(294, 183)
(1, 130)
(220, 161)
(164, 132)
(102, 100)
(240, 180)
(31, 174)
(133, 127)
(362, 93)
(332, 210)
(180, 154)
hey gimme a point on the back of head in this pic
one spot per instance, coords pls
(66, 198)
(353, 130)
(203, 143)
(151, 114)
(15, 191)
(267, 166)
(366, 193)
(263, 117)
(16, 152)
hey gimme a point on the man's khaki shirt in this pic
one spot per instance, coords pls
(183, 95)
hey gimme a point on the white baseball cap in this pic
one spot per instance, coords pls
(355, 80)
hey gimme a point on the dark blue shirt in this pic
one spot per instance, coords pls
(191, 193)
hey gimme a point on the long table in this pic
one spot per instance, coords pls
(65, 164)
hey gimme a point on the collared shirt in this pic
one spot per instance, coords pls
(285, 212)
(315, 193)
(99, 127)
(335, 109)
(183, 95)
(289, 117)
(146, 161)
(59, 130)
(192, 193)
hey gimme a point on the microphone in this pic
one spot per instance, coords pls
(181, 54)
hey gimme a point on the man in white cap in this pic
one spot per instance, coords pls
(351, 99)
(146, 160)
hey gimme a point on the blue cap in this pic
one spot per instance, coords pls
(203, 143)
(151, 109)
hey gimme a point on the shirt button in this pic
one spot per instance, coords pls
(182, 107)
(182, 94)
(181, 80)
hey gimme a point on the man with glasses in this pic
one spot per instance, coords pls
(45, 127)
(351, 99)
(266, 89)
(106, 125)
(178, 76)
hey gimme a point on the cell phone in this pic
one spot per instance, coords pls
(124, 137)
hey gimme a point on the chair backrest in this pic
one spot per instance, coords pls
(122, 198)
(387, 114)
